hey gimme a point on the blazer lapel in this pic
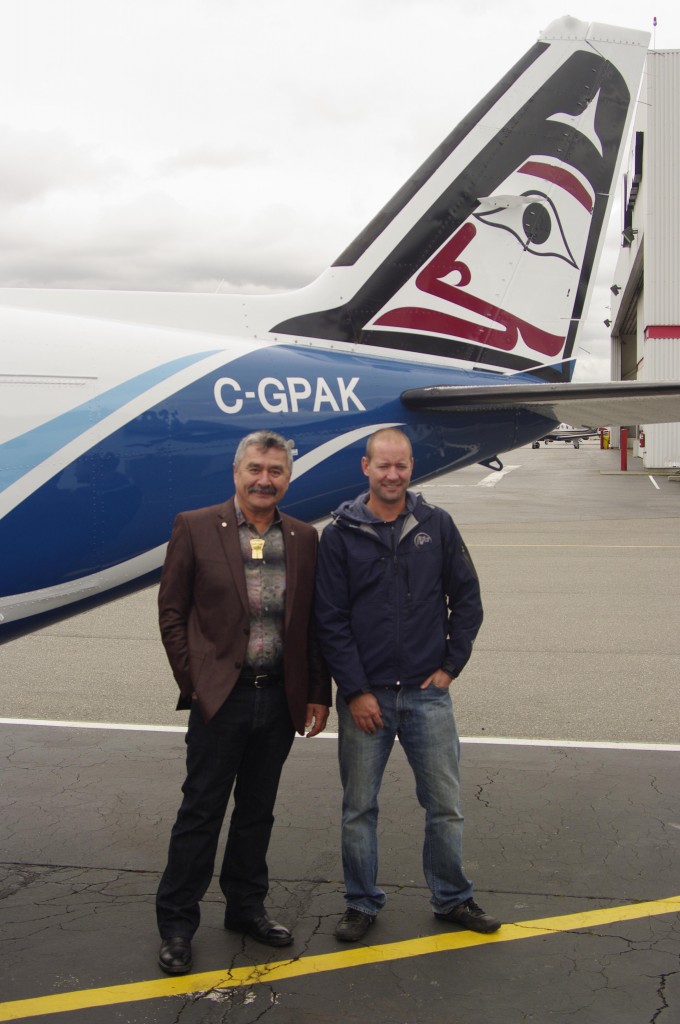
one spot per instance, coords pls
(290, 543)
(227, 528)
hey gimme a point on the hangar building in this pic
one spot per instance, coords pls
(645, 330)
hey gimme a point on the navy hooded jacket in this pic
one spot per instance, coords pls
(394, 612)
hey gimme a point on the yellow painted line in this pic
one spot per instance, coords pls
(188, 984)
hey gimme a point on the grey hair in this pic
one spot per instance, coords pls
(265, 439)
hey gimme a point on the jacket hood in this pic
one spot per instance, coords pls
(356, 512)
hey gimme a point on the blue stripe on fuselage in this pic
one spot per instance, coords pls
(119, 499)
(30, 449)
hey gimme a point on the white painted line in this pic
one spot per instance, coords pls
(654, 482)
(123, 726)
(606, 547)
(584, 744)
(492, 479)
(489, 740)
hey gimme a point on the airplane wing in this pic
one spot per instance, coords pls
(586, 405)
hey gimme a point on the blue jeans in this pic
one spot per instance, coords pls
(424, 723)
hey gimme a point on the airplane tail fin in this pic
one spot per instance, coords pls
(488, 253)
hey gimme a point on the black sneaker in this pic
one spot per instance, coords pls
(353, 925)
(469, 915)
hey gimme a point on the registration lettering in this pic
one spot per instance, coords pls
(291, 394)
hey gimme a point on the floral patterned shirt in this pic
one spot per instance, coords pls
(265, 568)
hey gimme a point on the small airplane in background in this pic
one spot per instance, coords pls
(452, 315)
(568, 434)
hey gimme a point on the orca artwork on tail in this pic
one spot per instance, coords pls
(453, 315)
(487, 254)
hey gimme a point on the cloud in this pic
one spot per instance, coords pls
(155, 241)
(236, 146)
(35, 163)
(209, 157)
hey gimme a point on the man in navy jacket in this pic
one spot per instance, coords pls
(398, 609)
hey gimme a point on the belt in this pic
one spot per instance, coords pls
(260, 679)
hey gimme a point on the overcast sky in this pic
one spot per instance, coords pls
(240, 145)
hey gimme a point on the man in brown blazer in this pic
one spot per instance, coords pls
(236, 620)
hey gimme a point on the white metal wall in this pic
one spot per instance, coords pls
(662, 440)
(661, 179)
(661, 228)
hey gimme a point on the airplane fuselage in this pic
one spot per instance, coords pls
(141, 432)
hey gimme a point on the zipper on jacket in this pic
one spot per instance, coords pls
(397, 604)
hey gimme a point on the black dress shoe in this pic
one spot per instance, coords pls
(261, 928)
(175, 955)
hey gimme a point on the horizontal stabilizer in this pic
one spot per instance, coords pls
(587, 405)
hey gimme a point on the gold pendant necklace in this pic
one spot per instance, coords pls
(257, 547)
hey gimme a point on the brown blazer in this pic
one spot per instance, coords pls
(204, 617)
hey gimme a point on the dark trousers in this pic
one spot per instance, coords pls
(243, 747)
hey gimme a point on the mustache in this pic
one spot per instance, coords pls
(262, 490)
